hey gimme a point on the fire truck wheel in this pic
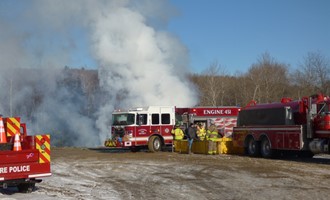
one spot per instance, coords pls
(265, 149)
(26, 187)
(253, 148)
(154, 144)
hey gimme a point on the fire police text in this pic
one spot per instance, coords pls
(14, 169)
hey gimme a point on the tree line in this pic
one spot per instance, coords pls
(267, 80)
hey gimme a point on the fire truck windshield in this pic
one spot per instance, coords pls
(123, 119)
(323, 108)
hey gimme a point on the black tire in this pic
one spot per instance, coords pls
(253, 148)
(154, 144)
(26, 187)
(265, 149)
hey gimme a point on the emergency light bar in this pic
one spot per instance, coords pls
(136, 109)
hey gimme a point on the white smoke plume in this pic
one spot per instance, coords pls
(138, 62)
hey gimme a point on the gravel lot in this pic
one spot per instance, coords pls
(91, 174)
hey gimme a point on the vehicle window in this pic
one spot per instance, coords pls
(322, 108)
(130, 119)
(123, 119)
(155, 118)
(166, 119)
(143, 118)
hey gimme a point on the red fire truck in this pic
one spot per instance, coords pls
(151, 126)
(23, 159)
(301, 126)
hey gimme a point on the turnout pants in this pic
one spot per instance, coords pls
(212, 147)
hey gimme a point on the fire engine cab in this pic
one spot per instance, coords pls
(151, 126)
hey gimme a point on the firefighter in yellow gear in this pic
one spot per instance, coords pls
(178, 133)
(201, 132)
(211, 136)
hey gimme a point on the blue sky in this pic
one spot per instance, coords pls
(235, 33)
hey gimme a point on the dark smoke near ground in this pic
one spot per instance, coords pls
(137, 63)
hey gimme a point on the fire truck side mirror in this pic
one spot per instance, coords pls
(313, 109)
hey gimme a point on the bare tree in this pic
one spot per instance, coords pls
(267, 79)
(213, 85)
(240, 89)
(89, 85)
(313, 75)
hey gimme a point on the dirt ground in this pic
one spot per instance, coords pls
(91, 174)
